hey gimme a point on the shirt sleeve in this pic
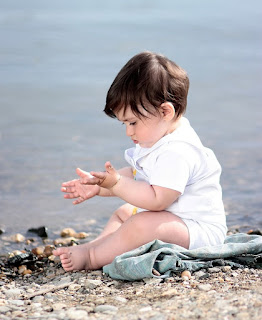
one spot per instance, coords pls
(171, 170)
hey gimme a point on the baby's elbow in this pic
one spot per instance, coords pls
(159, 207)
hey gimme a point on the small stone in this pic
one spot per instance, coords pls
(81, 235)
(68, 232)
(27, 272)
(22, 269)
(146, 309)
(65, 241)
(204, 287)
(17, 303)
(59, 306)
(169, 293)
(74, 287)
(92, 284)
(13, 293)
(214, 270)
(38, 299)
(18, 238)
(121, 299)
(74, 314)
(4, 309)
(152, 281)
(15, 253)
(48, 250)
(226, 268)
(106, 308)
(199, 274)
(186, 274)
(38, 251)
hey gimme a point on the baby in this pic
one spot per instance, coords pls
(171, 186)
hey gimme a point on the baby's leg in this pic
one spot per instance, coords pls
(117, 219)
(76, 257)
(134, 232)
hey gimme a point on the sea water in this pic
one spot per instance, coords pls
(57, 61)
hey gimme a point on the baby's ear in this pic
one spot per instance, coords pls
(167, 110)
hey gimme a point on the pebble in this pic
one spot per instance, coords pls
(216, 293)
(92, 284)
(13, 293)
(186, 275)
(214, 270)
(76, 314)
(204, 287)
(105, 308)
(145, 309)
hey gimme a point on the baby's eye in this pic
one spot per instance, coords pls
(132, 123)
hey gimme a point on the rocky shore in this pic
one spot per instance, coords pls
(48, 292)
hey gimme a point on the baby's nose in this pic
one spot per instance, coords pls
(129, 130)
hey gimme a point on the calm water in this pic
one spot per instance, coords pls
(57, 60)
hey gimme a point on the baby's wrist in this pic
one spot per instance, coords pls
(118, 179)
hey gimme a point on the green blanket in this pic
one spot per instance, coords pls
(238, 250)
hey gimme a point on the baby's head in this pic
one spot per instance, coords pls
(148, 80)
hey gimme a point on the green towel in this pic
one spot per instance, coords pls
(238, 250)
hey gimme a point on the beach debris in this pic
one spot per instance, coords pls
(41, 231)
(25, 258)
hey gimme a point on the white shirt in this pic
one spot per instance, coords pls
(180, 162)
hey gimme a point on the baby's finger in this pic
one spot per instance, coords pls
(68, 189)
(70, 183)
(78, 200)
(99, 175)
(91, 181)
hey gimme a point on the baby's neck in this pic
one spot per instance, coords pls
(174, 125)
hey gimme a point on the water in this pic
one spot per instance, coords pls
(57, 61)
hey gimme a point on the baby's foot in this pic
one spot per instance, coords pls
(74, 258)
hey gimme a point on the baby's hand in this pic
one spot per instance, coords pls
(106, 179)
(75, 189)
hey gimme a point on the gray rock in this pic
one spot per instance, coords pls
(4, 309)
(214, 270)
(13, 293)
(17, 303)
(106, 308)
(92, 284)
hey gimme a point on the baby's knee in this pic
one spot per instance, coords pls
(124, 212)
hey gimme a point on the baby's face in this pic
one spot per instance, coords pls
(145, 131)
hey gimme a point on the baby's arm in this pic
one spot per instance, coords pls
(138, 193)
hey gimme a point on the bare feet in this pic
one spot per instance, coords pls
(75, 257)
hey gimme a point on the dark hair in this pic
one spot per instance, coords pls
(148, 78)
